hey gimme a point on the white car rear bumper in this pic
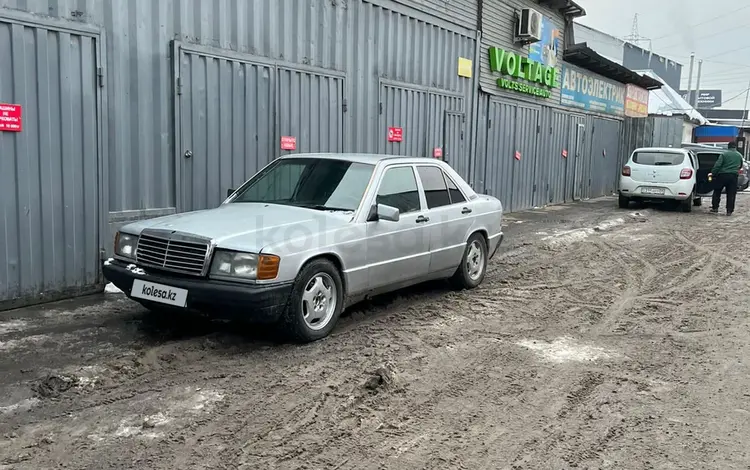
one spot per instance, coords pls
(636, 189)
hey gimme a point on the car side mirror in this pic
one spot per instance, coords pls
(383, 212)
(230, 192)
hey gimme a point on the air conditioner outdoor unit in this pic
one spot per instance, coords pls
(529, 26)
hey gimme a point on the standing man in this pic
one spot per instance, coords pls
(725, 173)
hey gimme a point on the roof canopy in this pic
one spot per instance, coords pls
(583, 56)
(566, 7)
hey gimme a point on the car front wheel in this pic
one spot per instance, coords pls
(473, 264)
(315, 304)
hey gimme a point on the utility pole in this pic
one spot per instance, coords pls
(698, 84)
(744, 111)
(690, 80)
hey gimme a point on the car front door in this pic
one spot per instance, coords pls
(450, 216)
(398, 252)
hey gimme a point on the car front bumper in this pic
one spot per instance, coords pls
(231, 300)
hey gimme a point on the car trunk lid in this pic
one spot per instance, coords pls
(656, 167)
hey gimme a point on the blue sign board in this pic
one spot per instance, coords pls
(590, 92)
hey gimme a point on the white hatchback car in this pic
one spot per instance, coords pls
(659, 174)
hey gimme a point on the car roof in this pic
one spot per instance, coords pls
(367, 158)
(662, 149)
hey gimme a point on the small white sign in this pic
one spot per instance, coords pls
(159, 293)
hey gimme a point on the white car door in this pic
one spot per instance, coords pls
(450, 215)
(398, 251)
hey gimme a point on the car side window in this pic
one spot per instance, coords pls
(455, 193)
(398, 189)
(435, 189)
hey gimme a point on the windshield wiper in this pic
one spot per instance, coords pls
(323, 207)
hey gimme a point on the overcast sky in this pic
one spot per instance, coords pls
(718, 31)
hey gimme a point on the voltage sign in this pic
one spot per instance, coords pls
(525, 75)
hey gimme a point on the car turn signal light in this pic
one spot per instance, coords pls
(626, 171)
(268, 267)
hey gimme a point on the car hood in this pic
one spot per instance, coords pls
(247, 226)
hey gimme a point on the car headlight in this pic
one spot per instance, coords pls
(125, 245)
(248, 266)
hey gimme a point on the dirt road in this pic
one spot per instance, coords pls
(600, 339)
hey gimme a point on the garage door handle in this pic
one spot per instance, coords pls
(422, 219)
(466, 210)
(188, 154)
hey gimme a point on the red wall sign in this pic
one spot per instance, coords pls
(288, 143)
(565, 153)
(517, 156)
(395, 134)
(437, 152)
(10, 117)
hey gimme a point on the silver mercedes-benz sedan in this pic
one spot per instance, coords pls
(309, 235)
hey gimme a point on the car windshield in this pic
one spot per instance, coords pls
(316, 183)
(658, 158)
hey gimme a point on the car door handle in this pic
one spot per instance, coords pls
(422, 219)
(466, 210)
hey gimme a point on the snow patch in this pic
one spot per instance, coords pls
(564, 350)
(568, 237)
(112, 289)
(12, 325)
(108, 261)
(187, 401)
(135, 269)
(22, 405)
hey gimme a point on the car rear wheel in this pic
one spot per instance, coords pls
(687, 204)
(315, 304)
(473, 266)
(623, 202)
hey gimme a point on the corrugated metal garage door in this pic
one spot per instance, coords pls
(226, 129)
(50, 171)
(311, 109)
(233, 110)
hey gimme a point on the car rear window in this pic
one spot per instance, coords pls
(658, 158)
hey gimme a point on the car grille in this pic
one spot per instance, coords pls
(182, 256)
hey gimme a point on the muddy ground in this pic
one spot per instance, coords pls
(601, 338)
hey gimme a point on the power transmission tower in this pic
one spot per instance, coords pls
(635, 37)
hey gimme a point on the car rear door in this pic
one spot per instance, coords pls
(706, 161)
(450, 215)
(657, 166)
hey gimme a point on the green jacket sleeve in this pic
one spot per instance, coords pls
(718, 164)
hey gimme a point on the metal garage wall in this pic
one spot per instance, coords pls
(366, 40)
(461, 12)
(651, 131)
(50, 186)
